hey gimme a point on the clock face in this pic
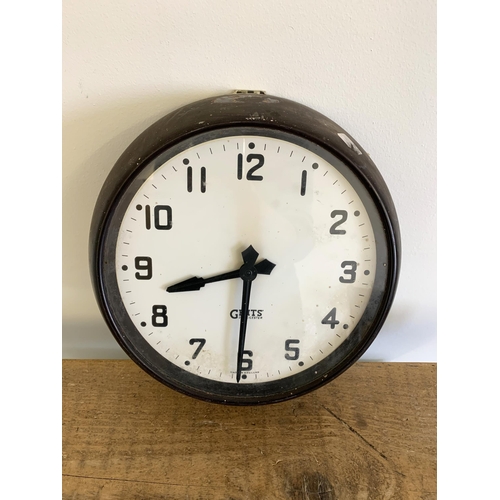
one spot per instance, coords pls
(244, 265)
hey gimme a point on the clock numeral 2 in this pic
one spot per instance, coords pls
(250, 174)
(162, 217)
(343, 217)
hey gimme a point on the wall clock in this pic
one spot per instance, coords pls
(244, 249)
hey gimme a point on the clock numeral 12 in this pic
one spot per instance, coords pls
(250, 174)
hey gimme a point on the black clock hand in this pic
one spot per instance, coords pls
(195, 283)
(248, 273)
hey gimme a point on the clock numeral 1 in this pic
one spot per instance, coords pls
(162, 217)
(159, 316)
(250, 174)
(329, 319)
(293, 352)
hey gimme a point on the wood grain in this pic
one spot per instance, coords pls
(370, 434)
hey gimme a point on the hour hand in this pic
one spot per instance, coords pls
(195, 283)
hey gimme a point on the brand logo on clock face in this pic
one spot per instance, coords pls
(252, 313)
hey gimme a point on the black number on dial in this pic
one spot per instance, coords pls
(295, 351)
(250, 174)
(343, 217)
(202, 342)
(349, 272)
(159, 317)
(329, 319)
(162, 217)
(203, 179)
(246, 363)
(144, 264)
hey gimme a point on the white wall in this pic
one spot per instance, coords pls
(368, 65)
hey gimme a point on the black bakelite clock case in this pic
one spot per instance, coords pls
(243, 114)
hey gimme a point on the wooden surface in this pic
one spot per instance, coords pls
(369, 434)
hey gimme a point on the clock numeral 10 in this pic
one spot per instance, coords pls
(162, 217)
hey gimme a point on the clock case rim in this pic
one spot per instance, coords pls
(249, 111)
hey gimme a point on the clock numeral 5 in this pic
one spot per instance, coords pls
(293, 352)
(162, 217)
(250, 174)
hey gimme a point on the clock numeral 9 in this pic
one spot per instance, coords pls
(250, 174)
(144, 264)
(162, 217)
(295, 351)
(159, 317)
(343, 217)
(350, 272)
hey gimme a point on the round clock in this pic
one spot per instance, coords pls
(244, 249)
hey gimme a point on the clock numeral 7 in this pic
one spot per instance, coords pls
(202, 342)
(250, 174)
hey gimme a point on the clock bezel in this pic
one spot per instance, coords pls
(125, 173)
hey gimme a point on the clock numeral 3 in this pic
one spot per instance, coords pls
(250, 174)
(350, 272)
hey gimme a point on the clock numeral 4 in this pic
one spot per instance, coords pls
(330, 318)
(250, 174)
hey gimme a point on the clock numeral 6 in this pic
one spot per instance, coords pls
(293, 352)
(250, 174)
(247, 363)
(162, 217)
(159, 317)
(349, 272)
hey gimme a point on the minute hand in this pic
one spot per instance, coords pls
(195, 283)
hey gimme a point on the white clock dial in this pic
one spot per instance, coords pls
(193, 214)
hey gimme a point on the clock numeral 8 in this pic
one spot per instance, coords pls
(159, 317)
